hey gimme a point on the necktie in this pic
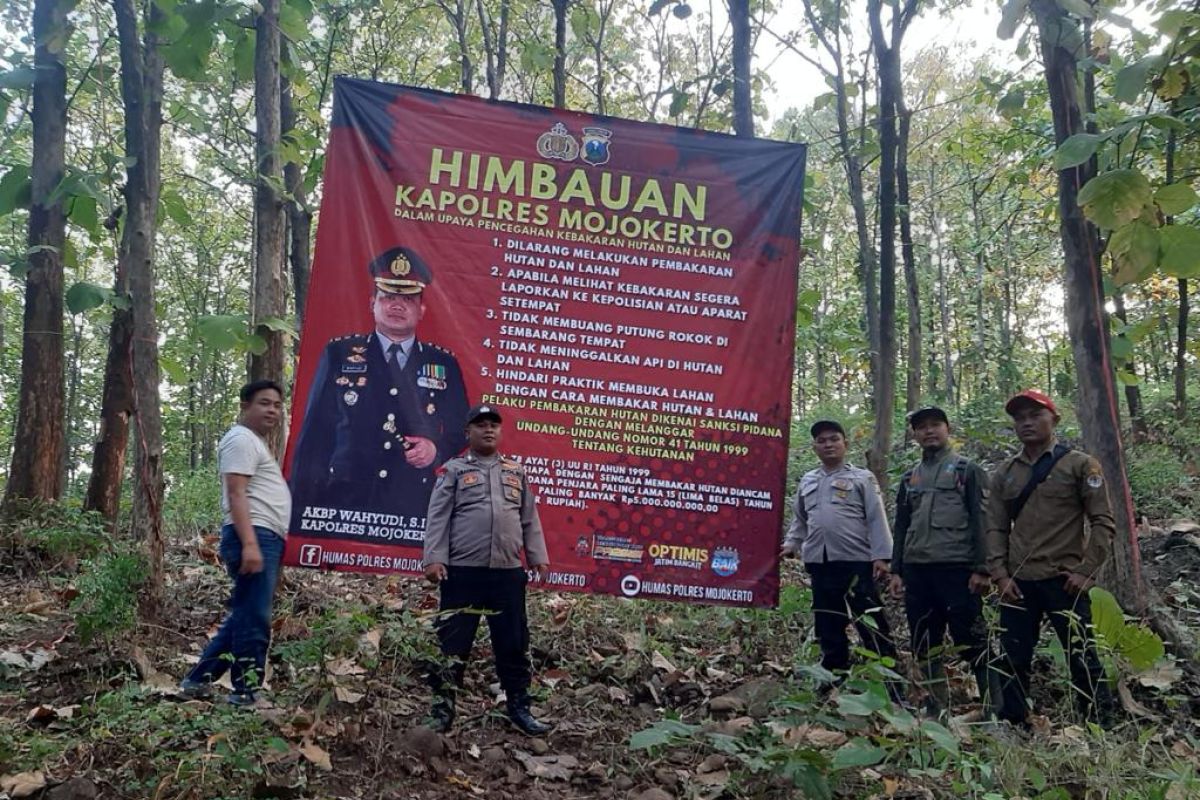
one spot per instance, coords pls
(396, 360)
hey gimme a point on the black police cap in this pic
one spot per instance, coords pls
(483, 412)
(400, 271)
(822, 425)
(915, 417)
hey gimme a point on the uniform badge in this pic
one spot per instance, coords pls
(362, 381)
(431, 409)
(469, 478)
(400, 266)
(358, 348)
(432, 376)
(351, 397)
(356, 358)
(595, 146)
(841, 483)
(512, 494)
(342, 381)
(510, 479)
(1095, 480)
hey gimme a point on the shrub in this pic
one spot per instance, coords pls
(108, 586)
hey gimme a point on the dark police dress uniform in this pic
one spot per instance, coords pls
(939, 543)
(1038, 549)
(362, 405)
(351, 449)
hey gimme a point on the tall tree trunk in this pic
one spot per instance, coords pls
(39, 439)
(1181, 319)
(912, 284)
(1097, 405)
(141, 91)
(299, 215)
(268, 301)
(743, 111)
(887, 60)
(560, 52)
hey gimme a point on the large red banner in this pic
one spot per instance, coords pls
(623, 292)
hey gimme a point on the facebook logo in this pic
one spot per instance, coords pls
(310, 555)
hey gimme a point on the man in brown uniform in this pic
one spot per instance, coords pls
(481, 517)
(1038, 554)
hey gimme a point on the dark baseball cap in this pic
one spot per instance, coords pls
(925, 412)
(1030, 396)
(826, 425)
(483, 412)
(400, 271)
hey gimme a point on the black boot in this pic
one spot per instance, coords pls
(522, 718)
(441, 715)
(446, 680)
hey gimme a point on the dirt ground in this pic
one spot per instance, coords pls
(342, 717)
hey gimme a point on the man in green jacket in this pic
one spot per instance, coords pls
(938, 562)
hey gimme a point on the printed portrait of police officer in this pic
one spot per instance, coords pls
(385, 409)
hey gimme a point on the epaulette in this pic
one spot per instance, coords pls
(439, 348)
(348, 336)
(511, 462)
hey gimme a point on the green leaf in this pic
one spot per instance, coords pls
(175, 371)
(243, 56)
(279, 325)
(223, 331)
(293, 23)
(1012, 103)
(1137, 644)
(1134, 250)
(661, 733)
(679, 101)
(84, 296)
(860, 705)
(172, 203)
(1122, 348)
(940, 735)
(1128, 378)
(809, 298)
(1180, 256)
(18, 78)
(16, 189)
(536, 57)
(1115, 198)
(1175, 198)
(858, 752)
(1076, 150)
(1131, 80)
(1011, 16)
(84, 214)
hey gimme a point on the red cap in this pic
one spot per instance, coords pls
(1033, 395)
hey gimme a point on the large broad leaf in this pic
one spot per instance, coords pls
(15, 189)
(1121, 348)
(1012, 103)
(1175, 198)
(85, 214)
(860, 705)
(940, 735)
(1115, 198)
(1131, 80)
(293, 23)
(1014, 10)
(1137, 644)
(85, 296)
(222, 331)
(1076, 150)
(660, 733)
(1180, 251)
(1134, 249)
(859, 752)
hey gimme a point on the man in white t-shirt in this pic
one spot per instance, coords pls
(257, 505)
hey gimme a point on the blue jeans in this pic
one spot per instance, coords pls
(240, 646)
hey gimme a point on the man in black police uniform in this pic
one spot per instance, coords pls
(385, 409)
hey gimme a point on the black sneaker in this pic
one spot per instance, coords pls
(195, 690)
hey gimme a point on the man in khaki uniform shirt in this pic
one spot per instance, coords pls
(1038, 554)
(481, 517)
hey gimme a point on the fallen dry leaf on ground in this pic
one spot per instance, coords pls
(315, 754)
(23, 784)
(555, 768)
